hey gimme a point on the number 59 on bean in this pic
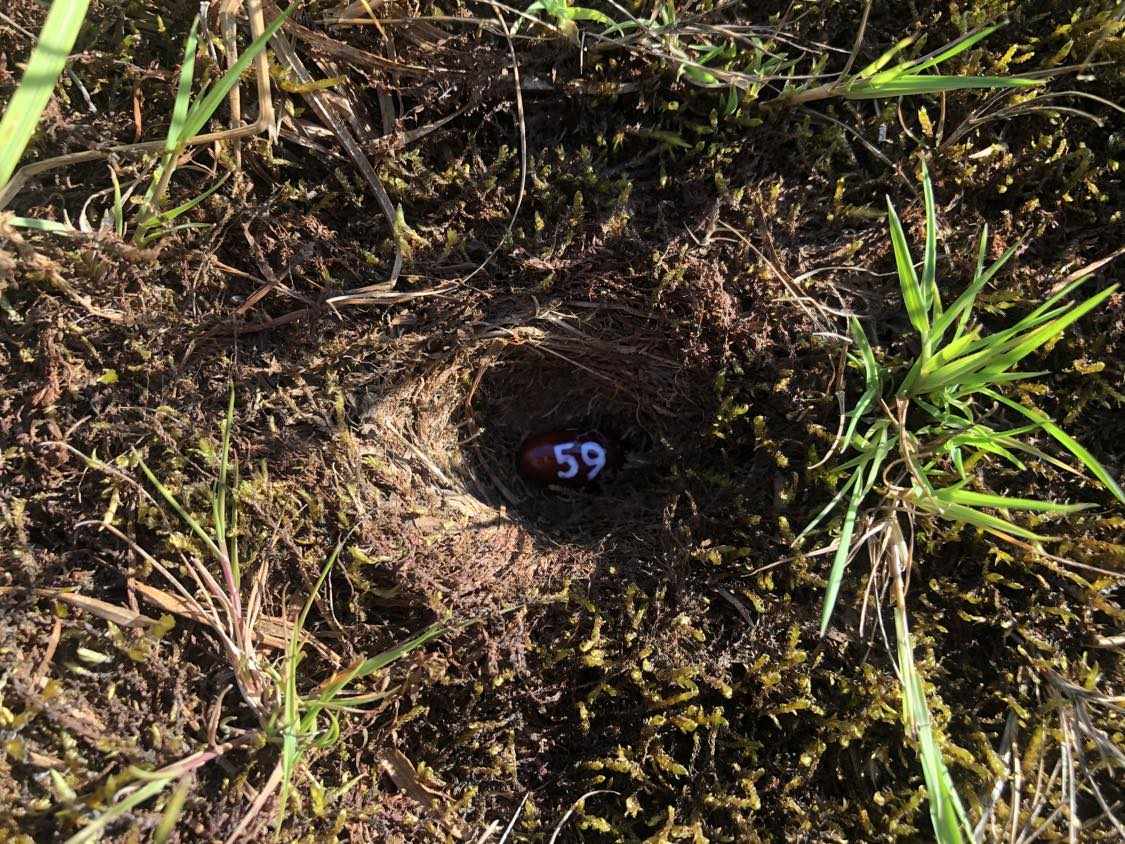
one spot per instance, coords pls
(569, 458)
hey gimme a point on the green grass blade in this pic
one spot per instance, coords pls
(980, 499)
(222, 537)
(190, 520)
(172, 213)
(1001, 379)
(873, 382)
(41, 225)
(232, 544)
(929, 259)
(1019, 445)
(908, 278)
(180, 105)
(962, 307)
(1068, 442)
(183, 88)
(1018, 348)
(963, 513)
(189, 118)
(853, 479)
(967, 354)
(118, 205)
(293, 726)
(46, 64)
(954, 48)
(871, 372)
(982, 251)
(885, 59)
(872, 389)
(840, 558)
(92, 831)
(204, 107)
(580, 13)
(992, 447)
(172, 811)
(909, 85)
(920, 377)
(370, 665)
(884, 77)
(1054, 299)
(998, 352)
(951, 351)
(945, 805)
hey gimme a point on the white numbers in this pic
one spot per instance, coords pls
(592, 454)
(567, 460)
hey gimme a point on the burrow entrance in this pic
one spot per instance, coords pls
(449, 440)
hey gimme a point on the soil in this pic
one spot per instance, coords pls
(646, 663)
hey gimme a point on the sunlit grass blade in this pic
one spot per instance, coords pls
(967, 354)
(1001, 502)
(966, 310)
(370, 665)
(180, 104)
(189, 118)
(872, 389)
(847, 529)
(954, 48)
(935, 429)
(1054, 299)
(1068, 442)
(946, 354)
(908, 278)
(946, 812)
(222, 534)
(172, 213)
(929, 259)
(982, 368)
(203, 108)
(962, 307)
(189, 519)
(183, 88)
(118, 205)
(969, 515)
(92, 831)
(872, 375)
(1018, 348)
(42, 225)
(843, 550)
(989, 441)
(580, 13)
(991, 447)
(172, 811)
(853, 479)
(1027, 448)
(910, 85)
(291, 722)
(1002, 378)
(46, 64)
(885, 58)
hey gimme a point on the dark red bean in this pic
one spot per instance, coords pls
(571, 458)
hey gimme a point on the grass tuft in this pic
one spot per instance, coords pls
(48, 59)
(922, 446)
(957, 376)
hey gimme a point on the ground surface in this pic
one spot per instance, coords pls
(631, 649)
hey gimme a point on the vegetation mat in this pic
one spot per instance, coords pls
(269, 570)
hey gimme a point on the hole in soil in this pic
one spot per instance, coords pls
(606, 370)
(441, 451)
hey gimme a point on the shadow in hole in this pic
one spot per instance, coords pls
(604, 370)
